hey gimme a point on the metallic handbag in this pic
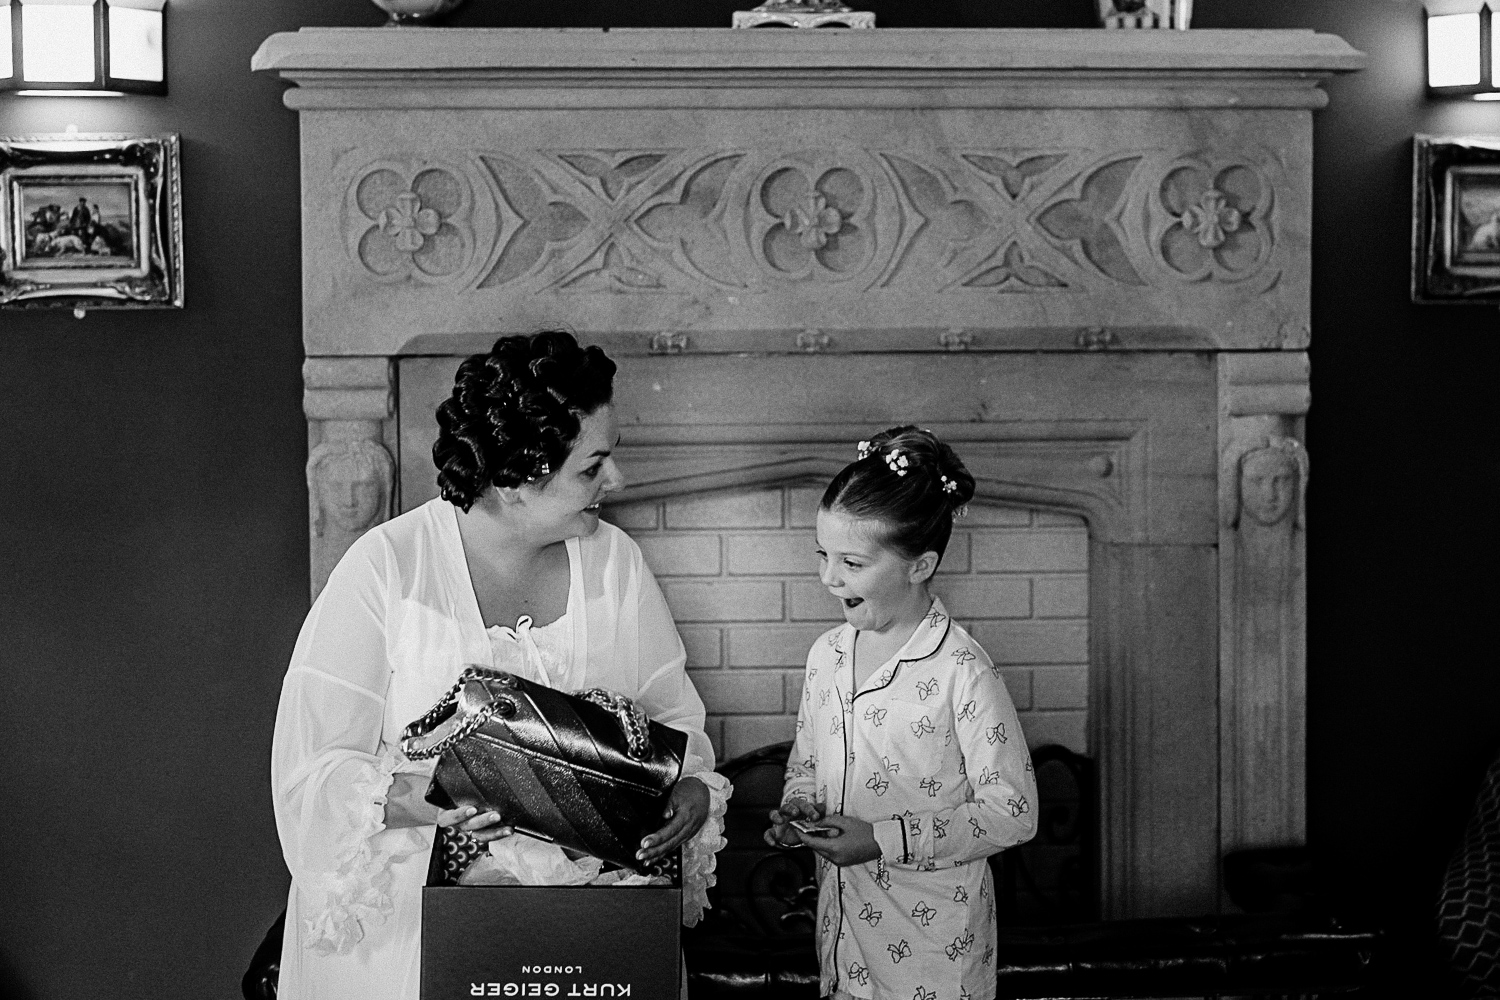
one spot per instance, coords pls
(588, 771)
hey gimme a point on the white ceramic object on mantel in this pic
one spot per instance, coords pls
(1176, 14)
(415, 11)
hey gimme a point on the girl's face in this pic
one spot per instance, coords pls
(878, 587)
(566, 504)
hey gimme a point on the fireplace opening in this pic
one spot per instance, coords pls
(739, 571)
(1087, 566)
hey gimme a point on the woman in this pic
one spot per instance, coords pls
(509, 568)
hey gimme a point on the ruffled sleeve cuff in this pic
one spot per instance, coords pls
(700, 854)
(356, 896)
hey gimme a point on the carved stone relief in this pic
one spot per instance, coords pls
(409, 224)
(349, 483)
(350, 471)
(1264, 473)
(638, 221)
(1272, 481)
(1216, 221)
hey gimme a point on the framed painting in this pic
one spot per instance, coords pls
(90, 221)
(1456, 219)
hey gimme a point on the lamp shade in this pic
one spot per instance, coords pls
(1460, 49)
(83, 46)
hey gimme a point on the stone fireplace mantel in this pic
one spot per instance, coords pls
(1083, 256)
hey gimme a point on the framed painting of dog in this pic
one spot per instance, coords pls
(90, 221)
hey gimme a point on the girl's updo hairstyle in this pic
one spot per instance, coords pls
(909, 481)
(516, 411)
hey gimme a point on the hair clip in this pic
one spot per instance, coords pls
(962, 511)
(896, 459)
(866, 449)
(544, 470)
(949, 485)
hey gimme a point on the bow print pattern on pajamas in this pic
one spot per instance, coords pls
(929, 751)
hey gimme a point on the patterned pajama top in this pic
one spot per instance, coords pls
(930, 752)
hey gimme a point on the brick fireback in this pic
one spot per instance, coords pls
(740, 574)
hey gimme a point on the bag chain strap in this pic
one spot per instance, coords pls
(465, 729)
(632, 720)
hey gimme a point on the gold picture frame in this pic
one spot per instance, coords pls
(91, 221)
(1456, 219)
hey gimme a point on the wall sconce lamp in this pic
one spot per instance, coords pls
(83, 47)
(1460, 50)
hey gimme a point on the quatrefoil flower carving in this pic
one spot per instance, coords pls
(815, 229)
(417, 227)
(1212, 219)
(408, 223)
(813, 221)
(1217, 221)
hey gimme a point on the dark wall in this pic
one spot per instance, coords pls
(155, 523)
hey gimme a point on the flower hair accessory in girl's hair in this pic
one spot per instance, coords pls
(896, 756)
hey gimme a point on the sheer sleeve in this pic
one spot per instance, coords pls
(664, 690)
(668, 696)
(329, 773)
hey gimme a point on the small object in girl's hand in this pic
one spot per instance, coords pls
(812, 829)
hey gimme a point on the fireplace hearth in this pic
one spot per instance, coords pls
(1080, 256)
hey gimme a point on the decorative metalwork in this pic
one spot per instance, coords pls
(803, 14)
(669, 342)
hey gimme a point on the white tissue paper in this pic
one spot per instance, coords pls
(523, 860)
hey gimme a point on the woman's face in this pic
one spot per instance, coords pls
(876, 585)
(566, 504)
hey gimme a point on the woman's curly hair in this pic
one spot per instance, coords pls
(911, 482)
(515, 412)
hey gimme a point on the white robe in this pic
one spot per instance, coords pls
(928, 750)
(389, 634)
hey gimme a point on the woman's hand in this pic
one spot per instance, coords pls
(851, 842)
(782, 834)
(686, 812)
(406, 806)
(483, 827)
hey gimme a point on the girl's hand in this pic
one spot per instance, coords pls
(484, 827)
(686, 812)
(781, 834)
(851, 843)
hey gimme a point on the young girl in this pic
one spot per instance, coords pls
(908, 754)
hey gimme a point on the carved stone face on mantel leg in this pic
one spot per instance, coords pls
(1271, 480)
(349, 483)
(352, 481)
(1268, 485)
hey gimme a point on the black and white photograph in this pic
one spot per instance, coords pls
(802, 500)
